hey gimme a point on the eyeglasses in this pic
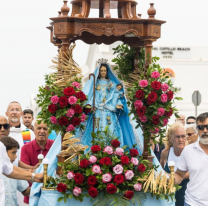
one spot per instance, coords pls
(190, 134)
(201, 127)
(190, 123)
(6, 126)
(177, 137)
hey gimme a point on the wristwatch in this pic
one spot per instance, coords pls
(33, 176)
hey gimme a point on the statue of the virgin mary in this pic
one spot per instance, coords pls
(110, 108)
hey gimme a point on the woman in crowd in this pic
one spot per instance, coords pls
(176, 141)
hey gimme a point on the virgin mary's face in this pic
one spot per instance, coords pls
(103, 72)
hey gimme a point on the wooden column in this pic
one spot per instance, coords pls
(107, 9)
(148, 52)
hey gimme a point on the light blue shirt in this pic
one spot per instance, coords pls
(11, 187)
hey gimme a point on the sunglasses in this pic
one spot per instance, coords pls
(201, 127)
(190, 134)
(6, 126)
(190, 123)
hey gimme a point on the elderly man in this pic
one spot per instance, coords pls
(27, 118)
(194, 159)
(41, 145)
(18, 131)
(191, 132)
(11, 171)
(181, 119)
(4, 132)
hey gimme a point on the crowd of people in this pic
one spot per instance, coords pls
(21, 142)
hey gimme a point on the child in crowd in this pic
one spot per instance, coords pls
(12, 185)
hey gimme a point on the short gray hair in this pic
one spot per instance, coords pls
(192, 126)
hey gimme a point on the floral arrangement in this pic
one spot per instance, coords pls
(63, 109)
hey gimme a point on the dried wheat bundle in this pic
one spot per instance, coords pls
(67, 70)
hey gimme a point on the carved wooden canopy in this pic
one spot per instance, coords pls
(128, 27)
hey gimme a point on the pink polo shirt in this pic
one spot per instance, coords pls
(30, 152)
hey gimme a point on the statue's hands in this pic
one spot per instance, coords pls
(119, 107)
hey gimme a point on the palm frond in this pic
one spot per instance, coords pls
(140, 198)
(118, 200)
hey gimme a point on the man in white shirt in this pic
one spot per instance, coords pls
(7, 168)
(194, 159)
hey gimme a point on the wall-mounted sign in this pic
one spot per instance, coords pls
(172, 52)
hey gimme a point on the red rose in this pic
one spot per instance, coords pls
(139, 94)
(63, 102)
(118, 179)
(124, 159)
(115, 143)
(134, 152)
(111, 188)
(169, 113)
(61, 187)
(92, 191)
(80, 95)
(95, 148)
(170, 95)
(63, 121)
(69, 91)
(76, 121)
(78, 109)
(155, 119)
(84, 163)
(105, 161)
(152, 97)
(129, 194)
(141, 168)
(156, 85)
(52, 108)
(141, 110)
(79, 178)
(87, 109)
(91, 180)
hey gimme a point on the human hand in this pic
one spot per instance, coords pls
(36, 166)
(38, 177)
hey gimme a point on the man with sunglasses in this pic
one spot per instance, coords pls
(194, 159)
(191, 120)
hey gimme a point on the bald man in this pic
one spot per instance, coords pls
(181, 119)
(4, 132)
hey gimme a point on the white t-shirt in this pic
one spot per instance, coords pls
(16, 133)
(195, 160)
(173, 157)
(6, 167)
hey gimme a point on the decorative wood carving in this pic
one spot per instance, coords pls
(65, 9)
(75, 9)
(155, 30)
(151, 11)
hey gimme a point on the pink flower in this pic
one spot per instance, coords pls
(143, 118)
(164, 98)
(70, 113)
(54, 99)
(165, 121)
(96, 169)
(70, 175)
(70, 128)
(107, 178)
(138, 104)
(155, 74)
(77, 191)
(155, 131)
(143, 83)
(108, 149)
(164, 87)
(83, 117)
(76, 84)
(72, 100)
(138, 187)
(129, 174)
(92, 159)
(119, 151)
(160, 111)
(135, 161)
(53, 120)
(118, 169)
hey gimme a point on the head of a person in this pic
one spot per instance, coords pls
(191, 120)
(202, 127)
(4, 126)
(191, 132)
(181, 119)
(41, 131)
(103, 72)
(14, 113)
(119, 86)
(27, 117)
(11, 147)
(176, 136)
